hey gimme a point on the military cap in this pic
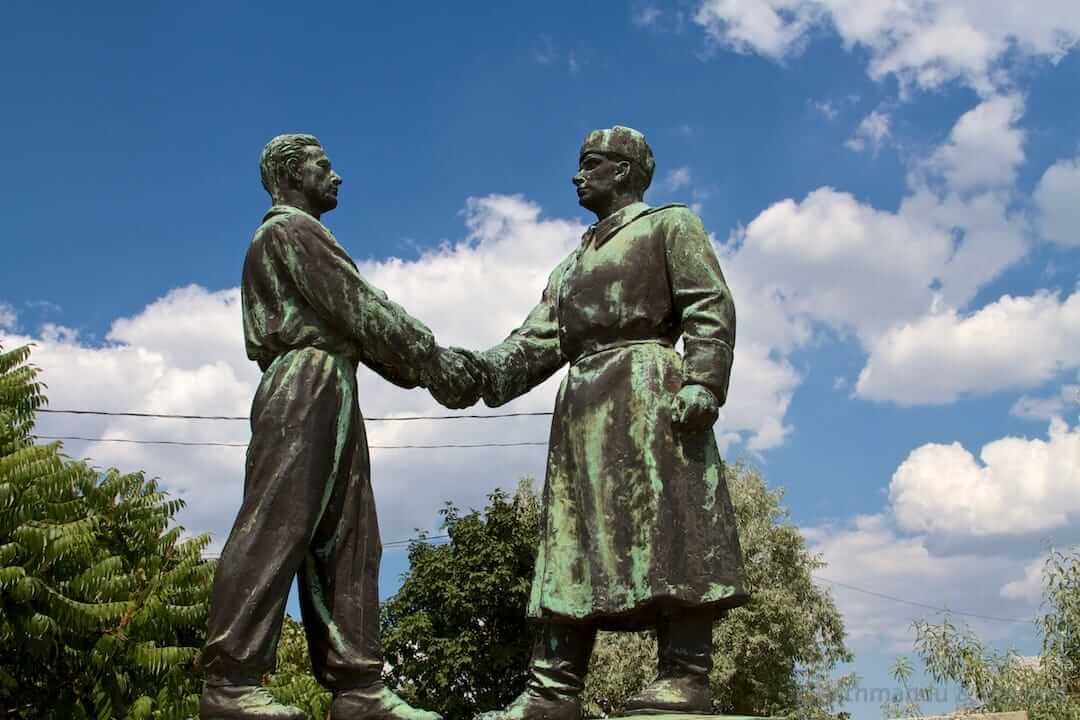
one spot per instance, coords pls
(626, 143)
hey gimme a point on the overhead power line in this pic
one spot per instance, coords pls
(173, 416)
(443, 539)
(913, 603)
(398, 543)
(389, 544)
(186, 443)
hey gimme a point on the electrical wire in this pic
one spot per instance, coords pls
(913, 603)
(172, 416)
(438, 446)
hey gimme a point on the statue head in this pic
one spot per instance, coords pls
(296, 171)
(615, 165)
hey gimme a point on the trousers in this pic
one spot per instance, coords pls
(308, 511)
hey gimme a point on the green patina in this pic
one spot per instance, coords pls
(636, 510)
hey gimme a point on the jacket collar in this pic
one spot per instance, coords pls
(282, 210)
(600, 232)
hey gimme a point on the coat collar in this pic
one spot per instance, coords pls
(600, 232)
(283, 210)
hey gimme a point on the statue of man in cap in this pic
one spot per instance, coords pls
(308, 511)
(638, 529)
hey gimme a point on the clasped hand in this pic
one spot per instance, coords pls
(456, 377)
(694, 407)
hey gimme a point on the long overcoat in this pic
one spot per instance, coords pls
(637, 518)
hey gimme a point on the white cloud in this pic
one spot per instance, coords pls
(985, 146)
(1057, 199)
(184, 354)
(773, 28)
(871, 132)
(893, 279)
(832, 259)
(646, 16)
(677, 178)
(1015, 486)
(826, 108)
(923, 43)
(1047, 407)
(1029, 587)
(8, 318)
(892, 570)
(1010, 343)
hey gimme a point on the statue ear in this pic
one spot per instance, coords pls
(291, 172)
(622, 175)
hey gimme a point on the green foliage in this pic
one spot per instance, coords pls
(773, 656)
(457, 640)
(455, 635)
(102, 604)
(1047, 687)
(292, 682)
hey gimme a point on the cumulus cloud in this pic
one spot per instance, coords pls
(892, 279)
(8, 317)
(870, 564)
(985, 146)
(1029, 586)
(1047, 407)
(1057, 200)
(834, 260)
(871, 132)
(1015, 486)
(924, 44)
(183, 354)
(1014, 342)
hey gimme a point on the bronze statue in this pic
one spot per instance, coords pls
(638, 529)
(308, 509)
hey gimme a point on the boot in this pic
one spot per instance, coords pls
(560, 658)
(224, 701)
(684, 659)
(375, 702)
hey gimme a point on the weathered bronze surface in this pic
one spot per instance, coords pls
(638, 528)
(308, 509)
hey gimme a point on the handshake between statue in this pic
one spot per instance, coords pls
(655, 544)
(455, 377)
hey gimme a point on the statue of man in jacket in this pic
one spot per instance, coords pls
(308, 511)
(638, 529)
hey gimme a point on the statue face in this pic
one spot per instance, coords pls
(318, 181)
(597, 180)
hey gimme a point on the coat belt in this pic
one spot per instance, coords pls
(608, 347)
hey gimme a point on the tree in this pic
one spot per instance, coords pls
(102, 602)
(455, 634)
(457, 640)
(1047, 687)
(292, 681)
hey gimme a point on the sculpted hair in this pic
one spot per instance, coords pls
(278, 154)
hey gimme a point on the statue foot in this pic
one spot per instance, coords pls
(376, 702)
(531, 705)
(244, 702)
(680, 694)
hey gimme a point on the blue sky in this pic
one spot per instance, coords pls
(894, 196)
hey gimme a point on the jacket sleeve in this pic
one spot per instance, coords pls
(529, 355)
(387, 339)
(702, 302)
